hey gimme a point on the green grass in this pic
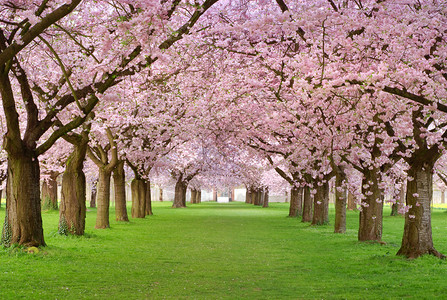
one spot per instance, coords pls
(222, 251)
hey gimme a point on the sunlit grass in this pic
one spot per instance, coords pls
(215, 251)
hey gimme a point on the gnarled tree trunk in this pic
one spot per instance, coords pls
(307, 205)
(295, 202)
(321, 204)
(103, 199)
(417, 238)
(180, 194)
(371, 210)
(138, 187)
(119, 182)
(23, 220)
(49, 192)
(72, 209)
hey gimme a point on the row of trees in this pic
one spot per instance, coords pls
(222, 92)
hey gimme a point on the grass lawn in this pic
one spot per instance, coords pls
(222, 251)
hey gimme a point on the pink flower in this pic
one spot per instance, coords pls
(415, 195)
(411, 216)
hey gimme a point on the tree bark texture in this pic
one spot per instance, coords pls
(148, 199)
(295, 202)
(72, 209)
(23, 220)
(199, 196)
(307, 205)
(417, 238)
(340, 202)
(103, 199)
(321, 205)
(371, 210)
(266, 199)
(138, 187)
(119, 182)
(180, 194)
(351, 202)
(49, 192)
(93, 194)
(193, 199)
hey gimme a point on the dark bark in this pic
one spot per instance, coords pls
(321, 204)
(257, 197)
(307, 205)
(340, 201)
(199, 196)
(295, 202)
(417, 238)
(119, 182)
(148, 200)
(49, 192)
(193, 196)
(23, 211)
(73, 208)
(371, 213)
(94, 191)
(138, 187)
(180, 194)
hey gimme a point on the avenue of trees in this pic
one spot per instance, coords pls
(273, 94)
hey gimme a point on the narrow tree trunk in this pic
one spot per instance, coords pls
(180, 194)
(138, 187)
(93, 194)
(160, 198)
(321, 205)
(257, 198)
(340, 202)
(442, 196)
(214, 195)
(148, 206)
(49, 192)
(266, 198)
(371, 209)
(417, 238)
(119, 182)
(193, 196)
(23, 220)
(199, 196)
(72, 209)
(248, 195)
(351, 202)
(307, 205)
(295, 202)
(103, 199)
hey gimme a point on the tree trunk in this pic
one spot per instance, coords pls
(148, 199)
(49, 192)
(23, 219)
(103, 199)
(180, 194)
(93, 194)
(321, 205)
(193, 196)
(340, 202)
(257, 198)
(442, 196)
(119, 182)
(266, 198)
(214, 195)
(371, 209)
(248, 195)
(307, 206)
(72, 209)
(138, 187)
(199, 196)
(295, 202)
(417, 238)
(351, 202)
(160, 198)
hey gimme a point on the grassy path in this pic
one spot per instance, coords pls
(222, 251)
